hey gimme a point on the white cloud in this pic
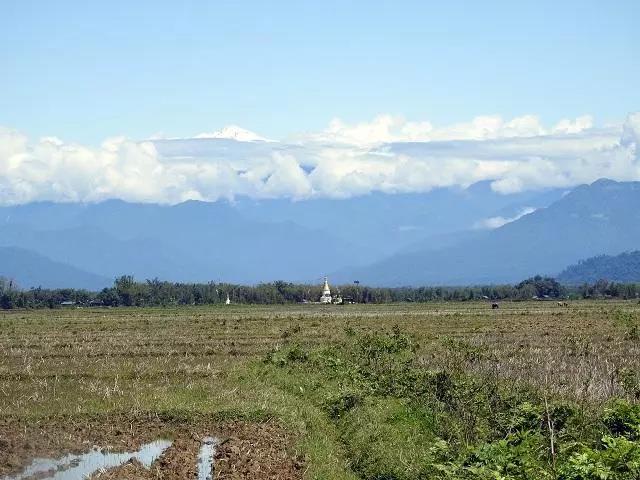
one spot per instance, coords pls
(390, 128)
(576, 126)
(631, 131)
(382, 129)
(229, 132)
(234, 132)
(287, 178)
(387, 154)
(497, 222)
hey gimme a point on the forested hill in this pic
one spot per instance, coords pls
(436, 238)
(590, 220)
(619, 268)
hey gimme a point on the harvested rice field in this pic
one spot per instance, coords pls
(308, 391)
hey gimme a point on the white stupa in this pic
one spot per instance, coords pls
(326, 292)
(228, 302)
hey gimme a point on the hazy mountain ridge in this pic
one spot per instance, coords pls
(29, 269)
(590, 220)
(624, 268)
(193, 241)
(404, 239)
(384, 224)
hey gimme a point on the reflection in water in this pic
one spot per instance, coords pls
(78, 467)
(205, 458)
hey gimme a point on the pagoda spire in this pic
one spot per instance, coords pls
(326, 292)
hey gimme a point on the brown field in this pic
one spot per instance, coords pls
(73, 378)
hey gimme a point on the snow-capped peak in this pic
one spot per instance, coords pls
(234, 132)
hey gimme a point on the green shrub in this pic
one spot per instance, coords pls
(282, 357)
(342, 403)
(619, 459)
(389, 439)
(297, 354)
(521, 456)
(399, 420)
(628, 321)
(623, 419)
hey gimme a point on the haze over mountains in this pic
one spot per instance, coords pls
(30, 269)
(444, 237)
(386, 202)
(623, 268)
(601, 218)
(247, 241)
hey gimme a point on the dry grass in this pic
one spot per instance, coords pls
(97, 363)
(97, 360)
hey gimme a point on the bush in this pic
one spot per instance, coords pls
(618, 460)
(521, 456)
(342, 403)
(388, 439)
(623, 419)
(400, 420)
(286, 356)
(629, 322)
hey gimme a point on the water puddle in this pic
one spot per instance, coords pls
(205, 457)
(79, 467)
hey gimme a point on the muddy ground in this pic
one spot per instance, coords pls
(247, 450)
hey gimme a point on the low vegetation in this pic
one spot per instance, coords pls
(532, 390)
(400, 417)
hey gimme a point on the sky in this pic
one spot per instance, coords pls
(76, 75)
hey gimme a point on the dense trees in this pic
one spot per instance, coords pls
(620, 268)
(126, 291)
(540, 287)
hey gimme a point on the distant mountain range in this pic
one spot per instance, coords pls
(246, 241)
(193, 241)
(624, 268)
(601, 218)
(32, 269)
(443, 237)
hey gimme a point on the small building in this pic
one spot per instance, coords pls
(326, 292)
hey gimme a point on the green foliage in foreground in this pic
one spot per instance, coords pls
(398, 420)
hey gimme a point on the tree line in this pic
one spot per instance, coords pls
(126, 291)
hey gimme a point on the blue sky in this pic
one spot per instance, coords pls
(171, 101)
(84, 71)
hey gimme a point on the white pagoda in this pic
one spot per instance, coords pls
(326, 292)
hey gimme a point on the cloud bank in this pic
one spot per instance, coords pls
(387, 154)
(492, 223)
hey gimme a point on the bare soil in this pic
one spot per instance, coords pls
(248, 450)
